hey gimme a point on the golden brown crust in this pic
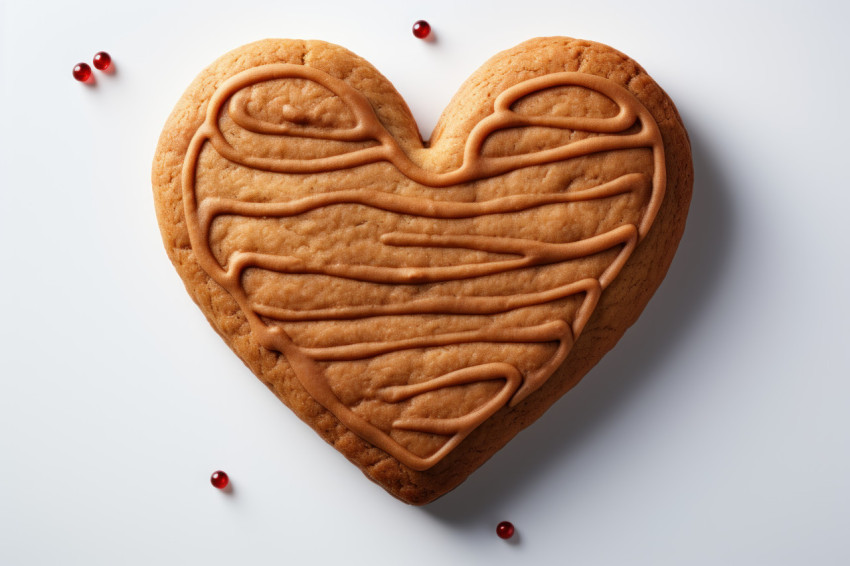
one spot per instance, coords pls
(620, 303)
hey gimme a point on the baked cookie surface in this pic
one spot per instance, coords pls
(418, 305)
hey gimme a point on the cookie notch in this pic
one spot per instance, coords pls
(631, 127)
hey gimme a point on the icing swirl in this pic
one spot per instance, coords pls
(365, 141)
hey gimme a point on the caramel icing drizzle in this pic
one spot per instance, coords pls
(613, 133)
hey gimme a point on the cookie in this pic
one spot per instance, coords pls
(418, 304)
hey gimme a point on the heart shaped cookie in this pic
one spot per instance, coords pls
(419, 304)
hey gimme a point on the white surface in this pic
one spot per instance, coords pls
(717, 432)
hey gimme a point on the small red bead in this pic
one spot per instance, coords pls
(82, 72)
(421, 29)
(219, 479)
(505, 530)
(102, 60)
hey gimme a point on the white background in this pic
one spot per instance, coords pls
(717, 432)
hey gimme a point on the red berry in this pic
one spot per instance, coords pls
(421, 29)
(102, 60)
(505, 530)
(82, 72)
(219, 479)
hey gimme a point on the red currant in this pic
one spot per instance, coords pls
(102, 60)
(82, 72)
(505, 530)
(219, 479)
(421, 29)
